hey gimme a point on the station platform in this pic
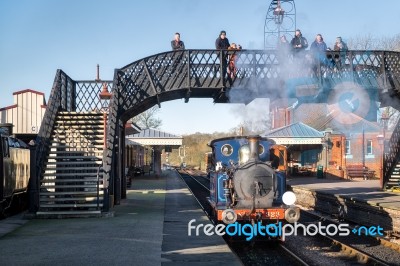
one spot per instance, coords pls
(362, 201)
(148, 228)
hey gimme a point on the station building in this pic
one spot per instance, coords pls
(318, 136)
(25, 114)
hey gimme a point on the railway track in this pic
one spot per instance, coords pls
(365, 249)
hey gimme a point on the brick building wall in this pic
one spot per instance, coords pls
(340, 156)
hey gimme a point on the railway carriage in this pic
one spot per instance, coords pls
(248, 182)
(14, 172)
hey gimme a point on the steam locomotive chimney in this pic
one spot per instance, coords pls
(253, 145)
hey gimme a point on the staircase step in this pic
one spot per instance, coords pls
(58, 145)
(98, 154)
(91, 193)
(46, 174)
(75, 135)
(74, 157)
(84, 185)
(72, 163)
(78, 128)
(86, 199)
(79, 117)
(71, 205)
(88, 122)
(81, 130)
(71, 169)
(70, 180)
(67, 214)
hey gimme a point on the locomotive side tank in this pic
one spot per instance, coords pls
(248, 181)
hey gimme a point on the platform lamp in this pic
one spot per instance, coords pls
(278, 13)
(384, 119)
(381, 142)
(105, 96)
(278, 16)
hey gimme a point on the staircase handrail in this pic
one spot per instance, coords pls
(61, 98)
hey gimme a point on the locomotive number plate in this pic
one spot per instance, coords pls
(274, 214)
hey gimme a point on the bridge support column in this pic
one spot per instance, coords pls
(34, 183)
(157, 161)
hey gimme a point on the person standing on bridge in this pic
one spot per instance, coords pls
(298, 43)
(222, 42)
(341, 47)
(232, 61)
(176, 43)
(318, 49)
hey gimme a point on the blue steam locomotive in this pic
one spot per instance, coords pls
(248, 182)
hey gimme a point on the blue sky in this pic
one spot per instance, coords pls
(39, 37)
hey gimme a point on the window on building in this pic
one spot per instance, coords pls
(348, 149)
(369, 146)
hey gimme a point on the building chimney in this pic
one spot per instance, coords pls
(98, 73)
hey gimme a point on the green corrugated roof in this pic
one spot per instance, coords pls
(153, 133)
(298, 130)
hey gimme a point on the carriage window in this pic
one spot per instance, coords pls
(244, 154)
(13, 142)
(260, 149)
(226, 150)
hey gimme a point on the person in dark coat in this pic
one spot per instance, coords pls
(298, 43)
(222, 42)
(176, 43)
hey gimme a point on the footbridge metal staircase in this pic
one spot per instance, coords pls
(72, 181)
(80, 173)
(70, 150)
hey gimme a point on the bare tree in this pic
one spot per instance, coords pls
(390, 43)
(147, 119)
(392, 116)
(365, 42)
(369, 42)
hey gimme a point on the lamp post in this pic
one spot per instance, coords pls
(384, 119)
(327, 145)
(104, 95)
(381, 142)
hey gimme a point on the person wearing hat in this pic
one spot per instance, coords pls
(222, 42)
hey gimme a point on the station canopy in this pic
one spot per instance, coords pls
(296, 134)
(153, 137)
